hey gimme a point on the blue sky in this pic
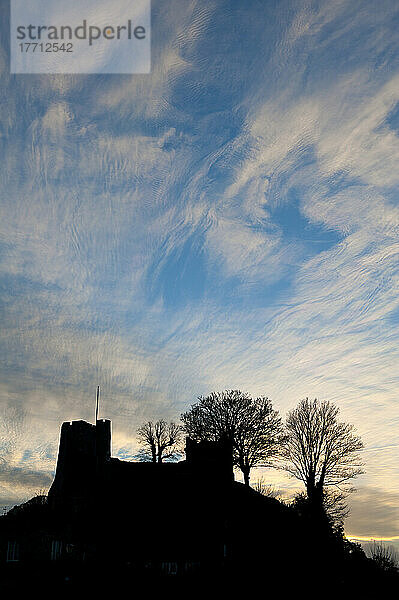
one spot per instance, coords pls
(229, 221)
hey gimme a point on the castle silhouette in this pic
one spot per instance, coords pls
(108, 523)
(86, 471)
(139, 502)
(156, 518)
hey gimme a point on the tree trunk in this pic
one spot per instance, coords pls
(315, 496)
(246, 476)
(153, 454)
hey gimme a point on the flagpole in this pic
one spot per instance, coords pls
(97, 402)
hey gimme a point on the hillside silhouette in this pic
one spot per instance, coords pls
(108, 523)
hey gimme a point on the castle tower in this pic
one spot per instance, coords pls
(103, 440)
(83, 449)
(211, 459)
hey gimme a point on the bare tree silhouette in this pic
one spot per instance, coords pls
(319, 450)
(159, 441)
(386, 557)
(265, 489)
(252, 426)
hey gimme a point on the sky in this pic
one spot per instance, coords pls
(230, 220)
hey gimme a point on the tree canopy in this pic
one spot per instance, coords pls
(252, 426)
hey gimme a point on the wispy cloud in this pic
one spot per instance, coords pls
(374, 515)
(230, 220)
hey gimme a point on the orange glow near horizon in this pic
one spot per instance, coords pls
(362, 538)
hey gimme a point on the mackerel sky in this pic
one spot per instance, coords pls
(229, 221)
